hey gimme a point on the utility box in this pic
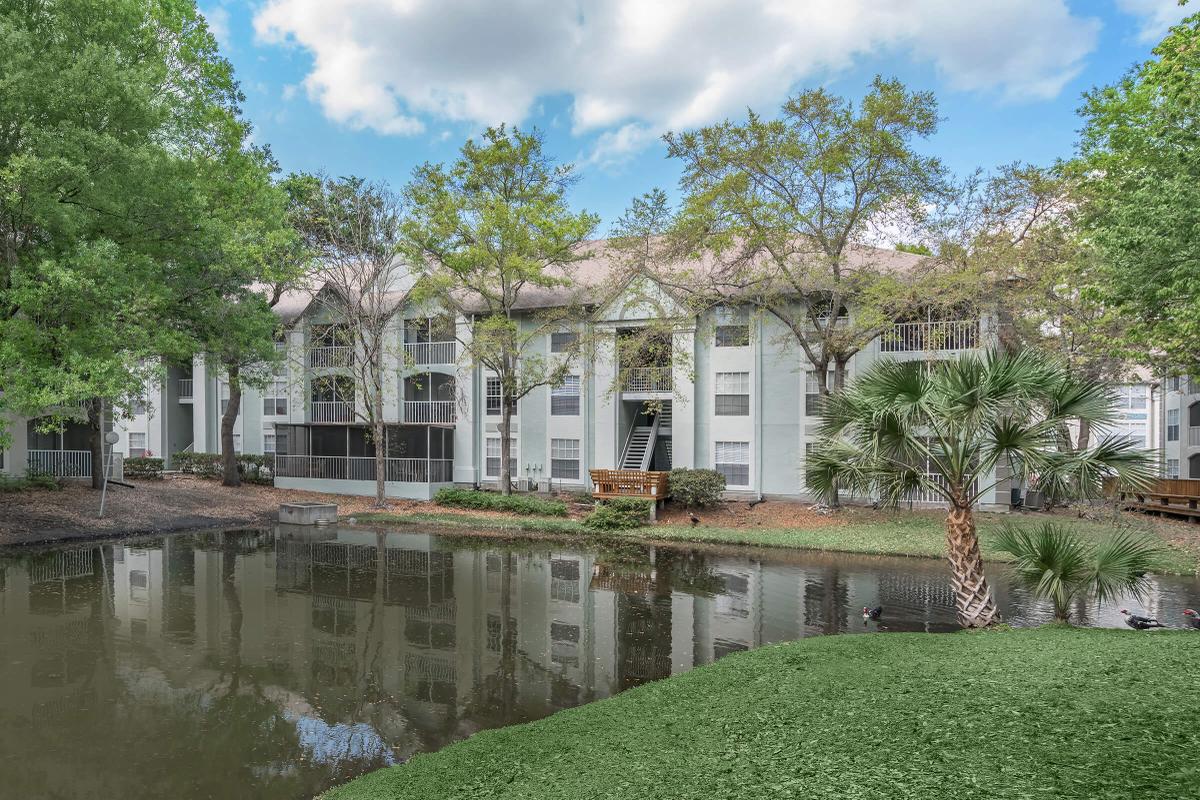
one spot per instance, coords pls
(308, 513)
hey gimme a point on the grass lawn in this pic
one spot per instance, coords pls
(857, 530)
(1049, 712)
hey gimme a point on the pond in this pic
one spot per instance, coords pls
(276, 663)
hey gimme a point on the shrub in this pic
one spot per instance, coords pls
(696, 488)
(491, 501)
(254, 468)
(143, 467)
(619, 514)
(31, 480)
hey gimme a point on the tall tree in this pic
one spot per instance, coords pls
(486, 232)
(945, 428)
(784, 206)
(1140, 173)
(107, 114)
(353, 228)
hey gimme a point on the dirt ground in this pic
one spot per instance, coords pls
(740, 514)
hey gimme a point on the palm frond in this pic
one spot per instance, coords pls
(1071, 397)
(1121, 565)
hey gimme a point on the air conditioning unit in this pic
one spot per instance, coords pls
(522, 484)
(544, 486)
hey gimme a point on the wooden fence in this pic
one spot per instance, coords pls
(1177, 496)
(629, 483)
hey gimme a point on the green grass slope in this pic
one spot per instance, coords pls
(1038, 713)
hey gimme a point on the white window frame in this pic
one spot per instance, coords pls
(569, 390)
(564, 453)
(275, 392)
(1173, 424)
(1172, 468)
(729, 388)
(488, 382)
(571, 338)
(144, 438)
(269, 435)
(724, 458)
(488, 457)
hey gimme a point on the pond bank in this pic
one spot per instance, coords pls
(1050, 711)
(851, 530)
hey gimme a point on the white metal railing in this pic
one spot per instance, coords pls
(332, 411)
(362, 468)
(61, 463)
(185, 388)
(646, 379)
(905, 337)
(431, 352)
(429, 411)
(1194, 436)
(60, 566)
(334, 356)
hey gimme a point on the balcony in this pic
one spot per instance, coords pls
(358, 468)
(185, 389)
(421, 353)
(332, 411)
(430, 412)
(333, 357)
(646, 379)
(61, 463)
(909, 337)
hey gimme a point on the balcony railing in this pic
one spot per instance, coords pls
(332, 411)
(1194, 436)
(185, 388)
(430, 412)
(362, 468)
(646, 379)
(431, 352)
(907, 337)
(61, 463)
(331, 357)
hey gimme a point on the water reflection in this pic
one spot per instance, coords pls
(277, 663)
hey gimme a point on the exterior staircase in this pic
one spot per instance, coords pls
(639, 447)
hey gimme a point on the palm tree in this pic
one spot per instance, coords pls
(944, 428)
(1056, 565)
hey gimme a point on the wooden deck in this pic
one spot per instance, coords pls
(629, 483)
(1175, 496)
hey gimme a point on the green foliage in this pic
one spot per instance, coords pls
(898, 715)
(1140, 172)
(943, 428)
(254, 468)
(490, 501)
(696, 488)
(618, 514)
(143, 467)
(1057, 565)
(31, 480)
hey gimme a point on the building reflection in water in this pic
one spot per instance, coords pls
(278, 663)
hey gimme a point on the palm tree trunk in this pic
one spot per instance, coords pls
(975, 606)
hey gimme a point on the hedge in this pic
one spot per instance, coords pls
(143, 467)
(255, 468)
(696, 488)
(492, 501)
(619, 513)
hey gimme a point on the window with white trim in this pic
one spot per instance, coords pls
(493, 396)
(275, 401)
(812, 392)
(492, 462)
(268, 438)
(732, 459)
(563, 342)
(733, 394)
(564, 398)
(1172, 467)
(564, 458)
(1172, 424)
(733, 328)
(137, 444)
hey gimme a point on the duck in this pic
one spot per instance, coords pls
(694, 519)
(1140, 623)
(872, 613)
(1193, 617)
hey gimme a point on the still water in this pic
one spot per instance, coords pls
(276, 663)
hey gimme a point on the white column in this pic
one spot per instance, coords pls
(607, 400)
(683, 412)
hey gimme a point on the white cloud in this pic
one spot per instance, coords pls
(1156, 16)
(634, 69)
(217, 18)
(289, 91)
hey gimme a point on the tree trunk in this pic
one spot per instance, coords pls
(379, 433)
(229, 457)
(506, 411)
(1085, 435)
(975, 606)
(96, 440)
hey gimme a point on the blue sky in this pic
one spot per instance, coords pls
(373, 88)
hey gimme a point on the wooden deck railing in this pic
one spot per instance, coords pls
(629, 483)
(1177, 496)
